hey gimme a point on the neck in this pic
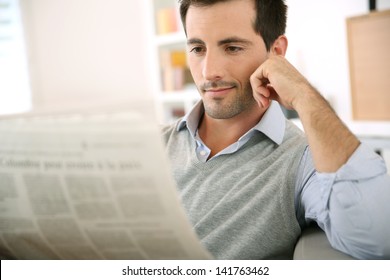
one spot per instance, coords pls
(218, 134)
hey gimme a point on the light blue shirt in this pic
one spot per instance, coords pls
(351, 205)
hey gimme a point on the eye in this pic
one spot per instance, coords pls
(197, 50)
(233, 49)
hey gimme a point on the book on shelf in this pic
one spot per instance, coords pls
(175, 74)
(167, 21)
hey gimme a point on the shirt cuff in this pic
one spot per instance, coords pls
(363, 164)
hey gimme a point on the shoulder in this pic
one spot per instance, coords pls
(294, 134)
(169, 130)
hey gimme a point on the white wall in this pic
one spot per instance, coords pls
(88, 50)
(383, 4)
(15, 93)
(85, 51)
(318, 45)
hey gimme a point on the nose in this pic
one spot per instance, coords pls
(212, 68)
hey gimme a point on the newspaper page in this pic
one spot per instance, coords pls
(89, 186)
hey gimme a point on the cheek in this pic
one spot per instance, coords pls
(195, 69)
(256, 62)
(243, 73)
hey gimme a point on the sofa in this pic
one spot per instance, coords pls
(314, 245)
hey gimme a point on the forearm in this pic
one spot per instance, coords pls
(351, 205)
(330, 141)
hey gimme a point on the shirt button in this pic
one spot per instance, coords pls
(203, 153)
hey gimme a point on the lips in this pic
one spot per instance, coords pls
(219, 89)
(218, 92)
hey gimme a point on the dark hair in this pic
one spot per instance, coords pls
(270, 22)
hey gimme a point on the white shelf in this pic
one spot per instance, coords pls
(168, 103)
(177, 96)
(170, 39)
(374, 129)
(375, 133)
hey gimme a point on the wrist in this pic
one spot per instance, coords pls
(308, 98)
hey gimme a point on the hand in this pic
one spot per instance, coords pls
(330, 141)
(277, 79)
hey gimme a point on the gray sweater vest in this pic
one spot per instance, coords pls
(241, 205)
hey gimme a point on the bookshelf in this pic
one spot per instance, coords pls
(172, 84)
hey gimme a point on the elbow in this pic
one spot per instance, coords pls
(378, 250)
(373, 244)
(360, 226)
(379, 247)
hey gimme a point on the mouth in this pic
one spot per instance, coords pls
(218, 92)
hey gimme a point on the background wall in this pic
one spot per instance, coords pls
(85, 51)
(318, 45)
(74, 56)
(15, 93)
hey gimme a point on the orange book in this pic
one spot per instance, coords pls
(167, 21)
(178, 58)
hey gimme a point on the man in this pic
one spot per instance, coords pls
(250, 180)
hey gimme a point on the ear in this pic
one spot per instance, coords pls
(279, 47)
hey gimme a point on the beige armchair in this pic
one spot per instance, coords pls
(314, 245)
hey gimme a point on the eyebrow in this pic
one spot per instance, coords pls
(234, 40)
(195, 41)
(229, 40)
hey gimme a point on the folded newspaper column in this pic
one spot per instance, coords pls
(89, 186)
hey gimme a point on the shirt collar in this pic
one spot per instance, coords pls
(191, 119)
(272, 124)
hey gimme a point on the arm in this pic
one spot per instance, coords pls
(351, 205)
(343, 185)
(330, 140)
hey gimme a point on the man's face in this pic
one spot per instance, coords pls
(223, 52)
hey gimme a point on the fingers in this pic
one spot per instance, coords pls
(275, 79)
(261, 88)
(263, 101)
(262, 95)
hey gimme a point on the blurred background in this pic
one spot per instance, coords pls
(55, 53)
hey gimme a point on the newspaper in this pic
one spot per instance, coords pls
(89, 186)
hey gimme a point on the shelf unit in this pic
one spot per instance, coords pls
(173, 99)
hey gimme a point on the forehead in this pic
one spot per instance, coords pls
(235, 17)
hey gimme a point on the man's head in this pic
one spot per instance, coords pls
(223, 51)
(270, 21)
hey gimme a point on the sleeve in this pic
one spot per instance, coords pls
(351, 205)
